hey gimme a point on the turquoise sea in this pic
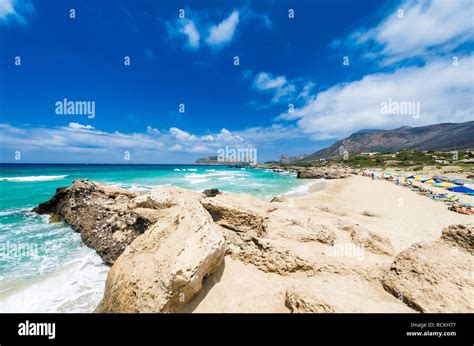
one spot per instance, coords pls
(44, 267)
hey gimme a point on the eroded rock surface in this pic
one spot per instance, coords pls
(436, 276)
(165, 242)
(100, 213)
(238, 212)
(371, 241)
(163, 269)
(319, 173)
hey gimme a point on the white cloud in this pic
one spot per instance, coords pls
(152, 131)
(444, 92)
(185, 28)
(182, 135)
(16, 11)
(223, 32)
(197, 30)
(78, 126)
(422, 27)
(77, 136)
(6, 8)
(427, 30)
(193, 37)
(84, 143)
(278, 85)
(266, 81)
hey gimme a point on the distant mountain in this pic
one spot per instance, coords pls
(448, 136)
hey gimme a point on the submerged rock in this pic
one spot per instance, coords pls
(54, 218)
(211, 192)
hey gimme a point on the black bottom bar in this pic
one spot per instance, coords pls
(134, 329)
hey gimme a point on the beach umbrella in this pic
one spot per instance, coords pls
(461, 181)
(447, 185)
(440, 177)
(430, 181)
(461, 189)
(418, 178)
(411, 177)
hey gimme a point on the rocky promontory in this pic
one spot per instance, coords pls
(323, 172)
(177, 250)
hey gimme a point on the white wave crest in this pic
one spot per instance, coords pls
(33, 178)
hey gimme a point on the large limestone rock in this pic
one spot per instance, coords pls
(263, 254)
(164, 267)
(341, 293)
(436, 276)
(110, 218)
(257, 218)
(241, 213)
(163, 197)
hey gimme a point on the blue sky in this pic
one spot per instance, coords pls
(335, 61)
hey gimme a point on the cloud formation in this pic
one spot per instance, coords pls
(444, 92)
(78, 139)
(16, 11)
(278, 85)
(222, 33)
(440, 82)
(417, 29)
(197, 30)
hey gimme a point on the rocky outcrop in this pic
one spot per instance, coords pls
(300, 300)
(168, 244)
(436, 276)
(211, 192)
(267, 257)
(371, 241)
(302, 172)
(322, 173)
(459, 236)
(354, 295)
(100, 213)
(163, 269)
(238, 212)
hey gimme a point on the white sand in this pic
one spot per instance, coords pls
(395, 212)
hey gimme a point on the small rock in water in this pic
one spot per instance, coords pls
(54, 218)
(211, 192)
(278, 199)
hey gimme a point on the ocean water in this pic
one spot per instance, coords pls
(44, 267)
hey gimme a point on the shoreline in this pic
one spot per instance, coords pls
(354, 211)
(350, 228)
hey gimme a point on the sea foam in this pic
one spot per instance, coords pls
(33, 178)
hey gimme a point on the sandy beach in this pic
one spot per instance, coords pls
(349, 245)
(398, 214)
